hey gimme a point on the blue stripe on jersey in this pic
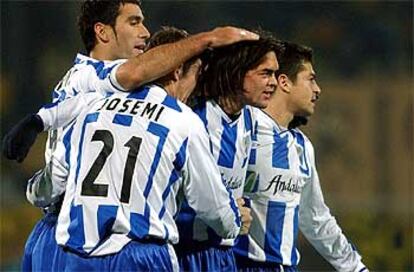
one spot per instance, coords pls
(253, 151)
(227, 145)
(201, 110)
(185, 223)
(242, 241)
(167, 233)
(173, 178)
(161, 132)
(178, 165)
(76, 229)
(247, 120)
(51, 105)
(122, 119)
(274, 231)
(90, 118)
(100, 69)
(139, 93)
(106, 218)
(280, 151)
(294, 255)
(304, 167)
(66, 142)
(139, 224)
(171, 103)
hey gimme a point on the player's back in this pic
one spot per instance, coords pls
(124, 173)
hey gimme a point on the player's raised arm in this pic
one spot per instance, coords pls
(161, 60)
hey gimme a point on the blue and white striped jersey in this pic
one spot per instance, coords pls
(230, 144)
(284, 194)
(133, 156)
(86, 76)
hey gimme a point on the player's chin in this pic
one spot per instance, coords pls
(261, 104)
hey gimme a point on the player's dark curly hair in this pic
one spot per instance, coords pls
(291, 59)
(225, 67)
(94, 11)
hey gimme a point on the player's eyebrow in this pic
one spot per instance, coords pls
(136, 18)
(268, 71)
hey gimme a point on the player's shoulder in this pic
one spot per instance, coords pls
(179, 113)
(306, 139)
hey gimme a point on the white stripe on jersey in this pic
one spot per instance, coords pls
(130, 157)
(284, 193)
(230, 143)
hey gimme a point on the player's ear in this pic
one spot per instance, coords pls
(102, 32)
(284, 83)
(177, 74)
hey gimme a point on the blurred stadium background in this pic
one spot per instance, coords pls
(362, 129)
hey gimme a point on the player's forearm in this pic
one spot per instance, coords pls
(159, 61)
(163, 59)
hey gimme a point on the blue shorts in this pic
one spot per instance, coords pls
(135, 256)
(205, 258)
(247, 265)
(41, 251)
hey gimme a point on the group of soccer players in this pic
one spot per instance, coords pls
(180, 153)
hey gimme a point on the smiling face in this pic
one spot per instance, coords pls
(260, 83)
(129, 35)
(304, 92)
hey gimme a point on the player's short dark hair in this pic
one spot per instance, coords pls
(225, 68)
(292, 58)
(95, 11)
(170, 34)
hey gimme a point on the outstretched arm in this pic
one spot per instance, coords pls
(162, 59)
(322, 230)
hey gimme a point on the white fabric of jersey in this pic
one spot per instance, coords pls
(87, 75)
(132, 156)
(285, 194)
(230, 144)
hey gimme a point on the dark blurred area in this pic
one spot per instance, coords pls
(362, 129)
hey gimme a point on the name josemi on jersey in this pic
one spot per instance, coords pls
(86, 76)
(230, 143)
(285, 195)
(131, 155)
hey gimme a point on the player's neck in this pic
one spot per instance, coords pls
(99, 53)
(278, 110)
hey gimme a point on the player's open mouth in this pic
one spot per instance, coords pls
(314, 99)
(140, 48)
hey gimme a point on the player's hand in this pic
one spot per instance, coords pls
(246, 217)
(222, 36)
(19, 140)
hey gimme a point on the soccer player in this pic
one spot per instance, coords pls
(110, 30)
(236, 76)
(282, 187)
